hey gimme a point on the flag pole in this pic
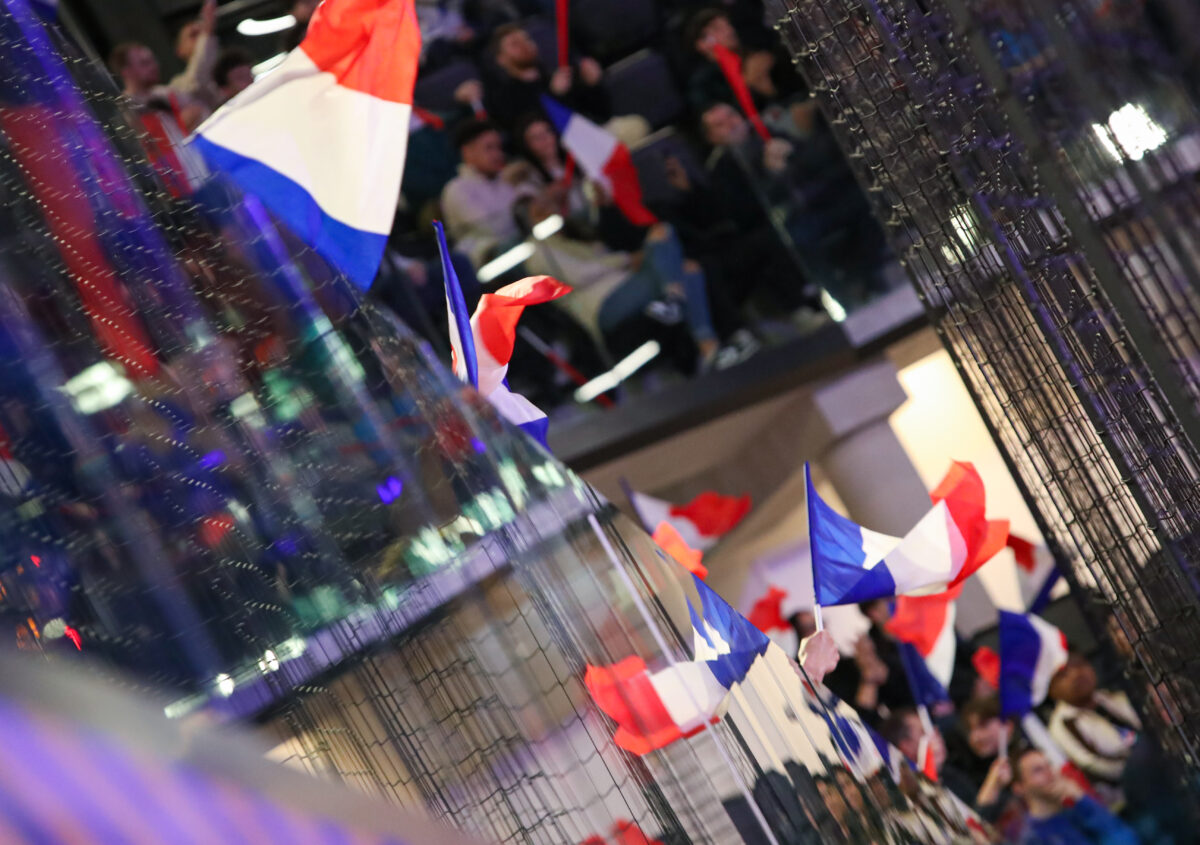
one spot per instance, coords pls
(810, 505)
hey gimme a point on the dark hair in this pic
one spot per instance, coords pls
(469, 130)
(895, 727)
(499, 34)
(697, 23)
(229, 59)
(1019, 753)
(865, 606)
(119, 57)
(517, 140)
(983, 709)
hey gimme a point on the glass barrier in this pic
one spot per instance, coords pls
(226, 479)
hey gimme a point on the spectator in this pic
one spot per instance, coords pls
(904, 729)
(457, 28)
(518, 81)
(983, 757)
(482, 206)
(1095, 728)
(1059, 811)
(826, 222)
(743, 255)
(196, 47)
(775, 87)
(233, 74)
(478, 204)
(166, 115)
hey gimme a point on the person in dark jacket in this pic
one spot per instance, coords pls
(518, 81)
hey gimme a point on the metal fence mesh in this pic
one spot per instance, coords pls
(1035, 167)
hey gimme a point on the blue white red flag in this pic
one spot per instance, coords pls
(321, 140)
(853, 564)
(482, 345)
(655, 708)
(603, 158)
(1031, 651)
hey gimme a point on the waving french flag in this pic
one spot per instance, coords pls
(1031, 651)
(482, 345)
(321, 140)
(701, 523)
(854, 564)
(655, 708)
(603, 158)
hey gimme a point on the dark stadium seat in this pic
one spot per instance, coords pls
(643, 84)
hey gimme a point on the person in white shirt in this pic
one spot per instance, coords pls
(1095, 728)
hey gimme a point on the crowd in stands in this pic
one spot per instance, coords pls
(751, 209)
(1090, 774)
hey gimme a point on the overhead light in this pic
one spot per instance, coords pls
(268, 65)
(624, 368)
(1129, 133)
(225, 685)
(499, 266)
(251, 27)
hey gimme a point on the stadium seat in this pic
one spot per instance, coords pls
(642, 84)
(609, 29)
(435, 91)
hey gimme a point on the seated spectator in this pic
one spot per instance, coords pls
(478, 204)
(1060, 813)
(233, 74)
(517, 81)
(1096, 729)
(457, 28)
(773, 83)
(196, 47)
(904, 729)
(982, 756)
(481, 208)
(166, 115)
(827, 222)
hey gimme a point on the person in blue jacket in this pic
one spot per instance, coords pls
(1060, 813)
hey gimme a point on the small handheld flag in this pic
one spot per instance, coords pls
(321, 140)
(603, 158)
(853, 564)
(481, 347)
(1031, 651)
(702, 522)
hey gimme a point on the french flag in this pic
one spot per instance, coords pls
(321, 140)
(925, 624)
(1031, 651)
(604, 159)
(701, 522)
(853, 564)
(482, 345)
(652, 709)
